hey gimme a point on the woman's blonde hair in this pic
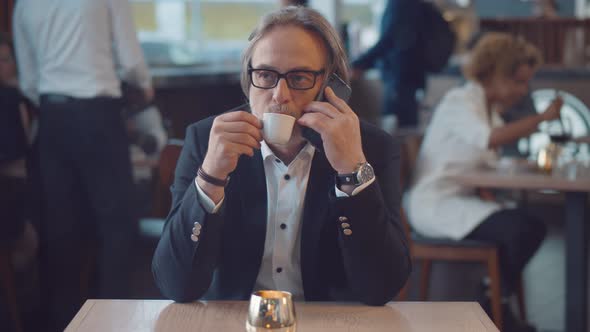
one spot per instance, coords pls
(500, 54)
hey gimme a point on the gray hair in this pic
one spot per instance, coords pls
(307, 19)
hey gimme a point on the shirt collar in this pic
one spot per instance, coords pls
(476, 89)
(307, 150)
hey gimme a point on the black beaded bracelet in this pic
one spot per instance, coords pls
(212, 180)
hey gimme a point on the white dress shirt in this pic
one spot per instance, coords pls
(286, 187)
(280, 268)
(456, 141)
(78, 48)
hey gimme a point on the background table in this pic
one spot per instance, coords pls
(576, 219)
(228, 316)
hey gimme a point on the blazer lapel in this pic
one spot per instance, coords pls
(315, 212)
(253, 200)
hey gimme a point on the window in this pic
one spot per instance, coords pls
(362, 19)
(582, 8)
(192, 32)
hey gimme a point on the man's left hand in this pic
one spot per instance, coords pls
(340, 130)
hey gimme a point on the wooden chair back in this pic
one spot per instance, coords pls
(165, 178)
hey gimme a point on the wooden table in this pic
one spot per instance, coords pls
(228, 316)
(576, 218)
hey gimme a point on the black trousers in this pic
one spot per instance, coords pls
(12, 208)
(517, 235)
(87, 184)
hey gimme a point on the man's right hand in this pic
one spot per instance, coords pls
(232, 135)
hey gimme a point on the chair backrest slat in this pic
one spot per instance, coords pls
(166, 167)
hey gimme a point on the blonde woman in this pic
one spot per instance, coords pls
(465, 131)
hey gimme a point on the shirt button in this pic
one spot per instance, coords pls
(347, 232)
(345, 225)
(287, 176)
(279, 269)
(342, 219)
(283, 226)
(194, 238)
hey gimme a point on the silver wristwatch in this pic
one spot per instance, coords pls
(361, 175)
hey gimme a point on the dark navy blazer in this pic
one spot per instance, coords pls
(371, 265)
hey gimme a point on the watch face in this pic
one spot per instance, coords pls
(365, 173)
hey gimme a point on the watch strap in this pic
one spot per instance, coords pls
(346, 179)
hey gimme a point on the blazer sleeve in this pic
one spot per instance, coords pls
(376, 256)
(183, 269)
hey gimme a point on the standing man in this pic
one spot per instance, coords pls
(402, 69)
(72, 57)
(323, 225)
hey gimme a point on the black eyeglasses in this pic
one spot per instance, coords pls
(296, 79)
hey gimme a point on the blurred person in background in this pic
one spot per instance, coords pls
(72, 56)
(398, 55)
(523, 108)
(464, 134)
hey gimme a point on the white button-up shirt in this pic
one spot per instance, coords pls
(280, 268)
(286, 187)
(78, 48)
(456, 141)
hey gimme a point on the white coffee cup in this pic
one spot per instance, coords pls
(277, 128)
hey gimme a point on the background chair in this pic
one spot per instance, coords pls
(151, 228)
(428, 250)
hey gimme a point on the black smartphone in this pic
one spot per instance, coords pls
(343, 91)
